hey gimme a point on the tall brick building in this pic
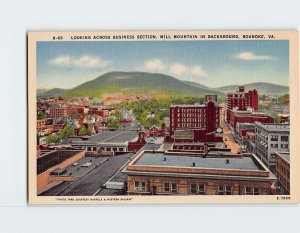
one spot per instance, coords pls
(194, 122)
(241, 100)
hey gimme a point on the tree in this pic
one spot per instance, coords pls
(84, 131)
(277, 118)
(53, 138)
(40, 115)
(117, 114)
(66, 132)
(114, 123)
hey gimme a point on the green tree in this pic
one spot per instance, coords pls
(276, 118)
(114, 123)
(84, 131)
(66, 132)
(117, 114)
(283, 98)
(53, 138)
(40, 115)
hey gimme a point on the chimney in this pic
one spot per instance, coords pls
(241, 89)
(205, 149)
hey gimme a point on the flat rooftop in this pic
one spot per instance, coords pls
(110, 137)
(274, 127)
(53, 158)
(286, 156)
(77, 170)
(172, 160)
(91, 181)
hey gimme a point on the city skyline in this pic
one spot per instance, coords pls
(211, 63)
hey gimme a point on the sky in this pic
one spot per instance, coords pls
(211, 63)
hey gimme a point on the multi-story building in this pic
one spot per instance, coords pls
(57, 112)
(104, 113)
(211, 98)
(235, 116)
(194, 122)
(186, 173)
(93, 111)
(271, 138)
(283, 171)
(75, 110)
(107, 141)
(100, 112)
(40, 124)
(242, 100)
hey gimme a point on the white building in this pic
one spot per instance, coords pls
(270, 138)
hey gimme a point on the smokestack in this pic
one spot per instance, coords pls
(241, 89)
(205, 149)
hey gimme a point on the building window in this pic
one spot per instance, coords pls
(224, 190)
(166, 187)
(170, 187)
(251, 191)
(284, 138)
(174, 187)
(193, 189)
(197, 189)
(139, 186)
(136, 185)
(284, 146)
(274, 138)
(274, 145)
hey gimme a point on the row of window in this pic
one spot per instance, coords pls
(283, 138)
(283, 169)
(284, 146)
(190, 110)
(196, 189)
(191, 125)
(283, 181)
(93, 148)
(187, 119)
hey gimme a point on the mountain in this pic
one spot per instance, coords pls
(197, 85)
(41, 91)
(137, 83)
(55, 92)
(261, 87)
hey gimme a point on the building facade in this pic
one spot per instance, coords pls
(107, 141)
(57, 112)
(208, 98)
(40, 124)
(194, 122)
(180, 173)
(235, 116)
(283, 171)
(242, 100)
(269, 139)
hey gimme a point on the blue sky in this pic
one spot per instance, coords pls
(211, 63)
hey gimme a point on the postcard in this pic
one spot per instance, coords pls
(163, 117)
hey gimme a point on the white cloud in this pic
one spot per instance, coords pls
(197, 70)
(250, 56)
(84, 61)
(178, 69)
(154, 65)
